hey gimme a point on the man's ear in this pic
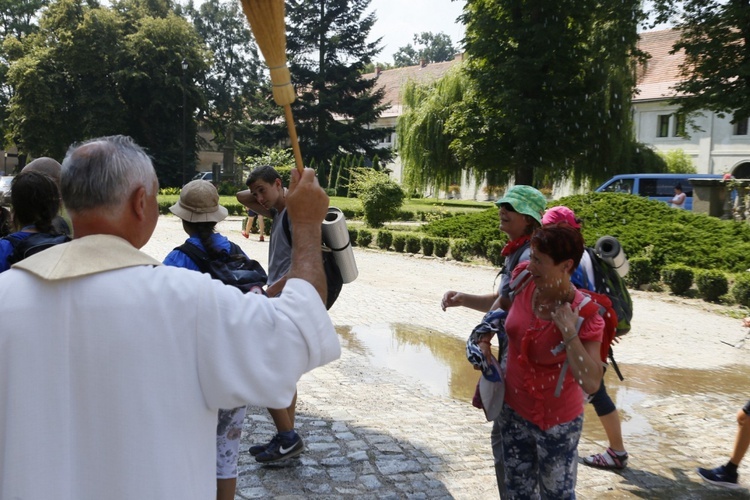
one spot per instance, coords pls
(138, 202)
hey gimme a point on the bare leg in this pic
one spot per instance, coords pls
(742, 440)
(225, 488)
(613, 429)
(261, 228)
(281, 419)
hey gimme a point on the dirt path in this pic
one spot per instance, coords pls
(400, 288)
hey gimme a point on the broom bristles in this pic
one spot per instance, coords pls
(266, 19)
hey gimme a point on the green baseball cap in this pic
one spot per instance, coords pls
(525, 200)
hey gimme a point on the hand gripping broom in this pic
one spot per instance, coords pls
(267, 23)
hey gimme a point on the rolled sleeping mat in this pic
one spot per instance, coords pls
(336, 237)
(610, 250)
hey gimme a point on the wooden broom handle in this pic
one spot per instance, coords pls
(293, 137)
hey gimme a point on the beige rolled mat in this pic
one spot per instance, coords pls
(336, 237)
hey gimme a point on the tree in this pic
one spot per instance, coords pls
(552, 84)
(327, 43)
(17, 19)
(93, 71)
(429, 48)
(715, 36)
(424, 142)
(678, 161)
(234, 76)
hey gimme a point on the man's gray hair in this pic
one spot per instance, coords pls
(104, 172)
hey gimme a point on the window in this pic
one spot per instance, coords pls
(671, 125)
(679, 125)
(740, 126)
(663, 130)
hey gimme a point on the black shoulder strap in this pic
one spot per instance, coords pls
(197, 255)
(287, 229)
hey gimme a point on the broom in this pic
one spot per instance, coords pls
(266, 19)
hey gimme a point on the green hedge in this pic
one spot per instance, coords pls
(645, 228)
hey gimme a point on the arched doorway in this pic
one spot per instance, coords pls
(742, 171)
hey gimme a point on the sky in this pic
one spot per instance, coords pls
(399, 20)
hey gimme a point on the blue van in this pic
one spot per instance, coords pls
(654, 186)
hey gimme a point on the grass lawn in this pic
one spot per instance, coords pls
(411, 205)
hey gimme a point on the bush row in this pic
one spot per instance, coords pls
(712, 285)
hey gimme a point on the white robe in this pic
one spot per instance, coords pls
(112, 369)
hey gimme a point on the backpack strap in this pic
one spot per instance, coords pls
(561, 346)
(197, 255)
(286, 227)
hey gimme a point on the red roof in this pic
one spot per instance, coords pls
(655, 78)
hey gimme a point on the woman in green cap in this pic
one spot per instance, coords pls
(520, 212)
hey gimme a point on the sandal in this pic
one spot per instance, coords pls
(607, 460)
(245, 234)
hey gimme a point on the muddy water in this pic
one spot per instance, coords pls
(438, 361)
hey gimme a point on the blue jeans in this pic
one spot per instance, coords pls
(540, 464)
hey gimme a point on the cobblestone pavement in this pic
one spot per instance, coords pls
(374, 432)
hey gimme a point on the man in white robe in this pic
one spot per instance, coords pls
(112, 367)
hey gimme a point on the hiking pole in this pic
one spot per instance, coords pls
(266, 19)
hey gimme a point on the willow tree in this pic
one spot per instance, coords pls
(424, 143)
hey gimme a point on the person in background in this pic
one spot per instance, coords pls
(615, 456)
(35, 201)
(251, 216)
(199, 209)
(678, 201)
(726, 475)
(135, 358)
(520, 212)
(267, 196)
(541, 428)
(51, 168)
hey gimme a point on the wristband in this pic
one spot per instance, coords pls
(570, 339)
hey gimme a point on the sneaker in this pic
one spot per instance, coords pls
(244, 233)
(607, 460)
(719, 476)
(280, 449)
(260, 448)
(261, 238)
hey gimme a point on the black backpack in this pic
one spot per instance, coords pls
(334, 281)
(26, 247)
(234, 268)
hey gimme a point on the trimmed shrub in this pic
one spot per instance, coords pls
(381, 196)
(741, 289)
(442, 245)
(399, 242)
(364, 238)
(712, 284)
(461, 249)
(641, 272)
(428, 245)
(494, 248)
(412, 244)
(384, 239)
(353, 234)
(678, 278)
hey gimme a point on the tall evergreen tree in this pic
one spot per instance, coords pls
(715, 36)
(552, 81)
(327, 43)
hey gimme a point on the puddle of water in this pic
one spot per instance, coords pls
(438, 362)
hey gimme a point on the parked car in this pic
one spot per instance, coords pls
(654, 186)
(5, 181)
(203, 176)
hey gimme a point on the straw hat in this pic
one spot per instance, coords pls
(199, 202)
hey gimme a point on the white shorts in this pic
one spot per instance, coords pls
(228, 432)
